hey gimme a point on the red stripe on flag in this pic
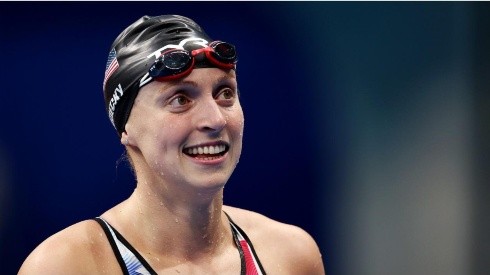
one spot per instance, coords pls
(112, 68)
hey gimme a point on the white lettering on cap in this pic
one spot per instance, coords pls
(180, 46)
(118, 92)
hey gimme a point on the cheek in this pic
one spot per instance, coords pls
(160, 148)
(236, 124)
(236, 119)
(139, 120)
(144, 127)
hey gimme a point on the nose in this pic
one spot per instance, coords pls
(210, 117)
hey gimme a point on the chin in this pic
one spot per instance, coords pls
(212, 184)
(209, 184)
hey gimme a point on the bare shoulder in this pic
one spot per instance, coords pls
(282, 248)
(74, 250)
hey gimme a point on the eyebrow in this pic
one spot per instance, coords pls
(222, 79)
(172, 84)
(182, 82)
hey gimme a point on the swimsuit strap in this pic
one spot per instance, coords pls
(132, 263)
(251, 264)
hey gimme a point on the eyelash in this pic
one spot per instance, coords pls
(177, 98)
(225, 90)
(225, 95)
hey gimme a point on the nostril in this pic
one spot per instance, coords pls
(214, 125)
(211, 117)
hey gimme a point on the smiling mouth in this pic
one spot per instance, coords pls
(207, 152)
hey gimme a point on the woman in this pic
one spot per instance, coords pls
(171, 93)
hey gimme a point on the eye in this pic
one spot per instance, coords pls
(179, 101)
(225, 94)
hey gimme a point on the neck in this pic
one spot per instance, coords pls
(185, 226)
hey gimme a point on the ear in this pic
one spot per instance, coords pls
(124, 138)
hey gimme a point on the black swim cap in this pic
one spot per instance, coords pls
(135, 50)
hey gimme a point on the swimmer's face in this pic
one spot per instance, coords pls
(189, 130)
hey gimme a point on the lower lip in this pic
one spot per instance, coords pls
(208, 161)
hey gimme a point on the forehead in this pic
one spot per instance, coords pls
(202, 78)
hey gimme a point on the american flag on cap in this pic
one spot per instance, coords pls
(111, 65)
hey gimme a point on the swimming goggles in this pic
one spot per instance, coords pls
(177, 63)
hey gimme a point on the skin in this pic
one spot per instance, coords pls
(174, 218)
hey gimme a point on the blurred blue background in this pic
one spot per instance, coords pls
(367, 124)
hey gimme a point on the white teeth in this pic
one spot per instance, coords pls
(206, 150)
